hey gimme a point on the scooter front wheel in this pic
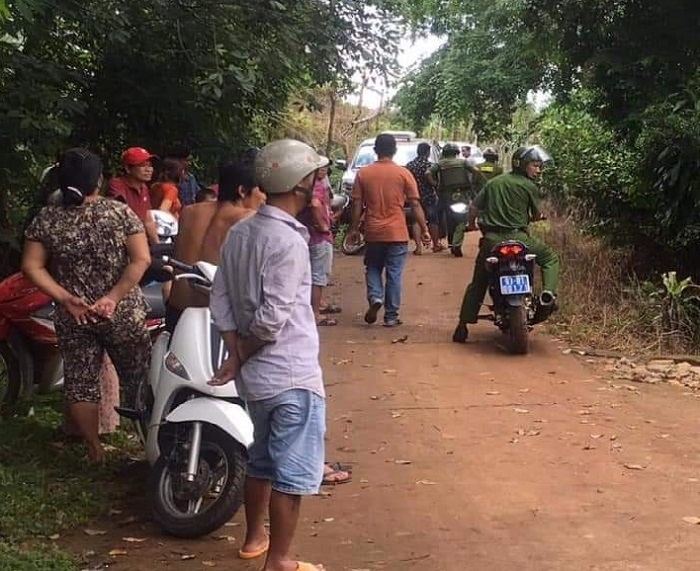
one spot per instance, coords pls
(10, 380)
(195, 508)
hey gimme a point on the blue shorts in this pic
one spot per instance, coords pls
(321, 263)
(288, 448)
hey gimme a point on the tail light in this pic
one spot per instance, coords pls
(510, 250)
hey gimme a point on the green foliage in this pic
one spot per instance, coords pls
(593, 171)
(211, 75)
(482, 73)
(644, 192)
(634, 53)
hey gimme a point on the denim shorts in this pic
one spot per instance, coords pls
(321, 263)
(288, 447)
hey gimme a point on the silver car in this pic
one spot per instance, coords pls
(406, 151)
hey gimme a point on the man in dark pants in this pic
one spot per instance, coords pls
(505, 207)
(384, 187)
(455, 180)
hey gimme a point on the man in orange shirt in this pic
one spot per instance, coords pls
(383, 188)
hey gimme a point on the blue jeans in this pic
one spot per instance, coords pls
(288, 447)
(389, 257)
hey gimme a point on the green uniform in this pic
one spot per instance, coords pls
(454, 178)
(490, 170)
(506, 205)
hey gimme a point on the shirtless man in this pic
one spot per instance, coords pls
(204, 226)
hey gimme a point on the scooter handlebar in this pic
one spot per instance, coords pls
(188, 268)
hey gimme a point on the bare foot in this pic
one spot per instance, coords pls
(96, 455)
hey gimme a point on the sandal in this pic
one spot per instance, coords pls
(331, 479)
(327, 322)
(338, 467)
(254, 554)
(330, 309)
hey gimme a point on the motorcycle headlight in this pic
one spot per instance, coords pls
(458, 207)
(173, 364)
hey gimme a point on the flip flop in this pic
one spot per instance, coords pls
(327, 322)
(330, 309)
(326, 482)
(253, 554)
(304, 566)
(338, 467)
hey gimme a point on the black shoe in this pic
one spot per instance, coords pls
(374, 307)
(461, 334)
(457, 252)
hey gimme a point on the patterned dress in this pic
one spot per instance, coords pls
(86, 249)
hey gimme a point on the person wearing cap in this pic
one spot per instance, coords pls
(490, 167)
(132, 187)
(89, 254)
(261, 303)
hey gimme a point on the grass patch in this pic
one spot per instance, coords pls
(47, 487)
(13, 558)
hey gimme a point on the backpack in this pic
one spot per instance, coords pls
(453, 175)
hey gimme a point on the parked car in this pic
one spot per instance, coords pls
(406, 150)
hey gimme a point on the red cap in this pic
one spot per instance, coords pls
(136, 156)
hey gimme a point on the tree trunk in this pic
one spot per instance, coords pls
(331, 122)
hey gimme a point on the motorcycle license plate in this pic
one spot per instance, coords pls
(517, 284)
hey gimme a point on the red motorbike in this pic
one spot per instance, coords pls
(29, 356)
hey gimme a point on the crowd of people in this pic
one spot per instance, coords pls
(267, 226)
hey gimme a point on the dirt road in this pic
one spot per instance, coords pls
(466, 458)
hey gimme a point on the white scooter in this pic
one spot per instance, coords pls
(196, 436)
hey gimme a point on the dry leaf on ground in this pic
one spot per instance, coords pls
(94, 532)
(116, 552)
(634, 466)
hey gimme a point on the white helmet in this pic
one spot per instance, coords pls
(281, 165)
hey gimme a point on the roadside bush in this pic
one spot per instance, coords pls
(605, 306)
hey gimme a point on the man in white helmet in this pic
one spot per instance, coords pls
(261, 303)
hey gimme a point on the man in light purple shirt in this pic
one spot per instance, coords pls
(261, 303)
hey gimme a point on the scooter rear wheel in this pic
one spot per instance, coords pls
(10, 380)
(183, 508)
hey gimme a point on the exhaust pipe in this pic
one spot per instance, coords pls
(546, 305)
(547, 298)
